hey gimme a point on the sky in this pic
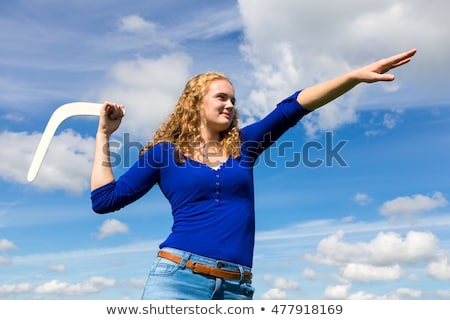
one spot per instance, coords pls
(352, 203)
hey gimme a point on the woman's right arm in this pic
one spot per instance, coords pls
(110, 118)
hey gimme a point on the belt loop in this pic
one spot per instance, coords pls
(186, 257)
(241, 270)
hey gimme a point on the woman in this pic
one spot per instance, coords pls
(203, 164)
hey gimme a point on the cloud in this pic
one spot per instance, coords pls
(66, 166)
(12, 289)
(4, 261)
(282, 283)
(57, 267)
(311, 274)
(362, 199)
(398, 294)
(102, 281)
(337, 292)
(57, 287)
(274, 294)
(5, 244)
(410, 205)
(386, 249)
(137, 283)
(111, 227)
(440, 269)
(135, 23)
(369, 273)
(390, 120)
(444, 294)
(279, 288)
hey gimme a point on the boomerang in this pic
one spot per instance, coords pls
(61, 114)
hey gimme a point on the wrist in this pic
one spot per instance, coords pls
(102, 135)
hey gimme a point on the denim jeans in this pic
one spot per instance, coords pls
(168, 280)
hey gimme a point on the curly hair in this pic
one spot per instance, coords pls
(183, 126)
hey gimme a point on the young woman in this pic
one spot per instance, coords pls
(203, 163)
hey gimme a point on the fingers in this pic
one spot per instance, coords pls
(113, 111)
(402, 58)
(383, 66)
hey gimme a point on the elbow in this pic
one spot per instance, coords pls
(102, 209)
(99, 210)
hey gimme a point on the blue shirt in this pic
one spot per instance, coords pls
(213, 210)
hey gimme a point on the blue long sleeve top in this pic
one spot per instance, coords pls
(213, 209)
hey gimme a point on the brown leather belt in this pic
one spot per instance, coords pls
(205, 269)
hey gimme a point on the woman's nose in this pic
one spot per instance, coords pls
(229, 104)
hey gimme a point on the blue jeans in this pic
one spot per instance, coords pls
(168, 280)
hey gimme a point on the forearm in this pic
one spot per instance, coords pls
(101, 169)
(320, 94)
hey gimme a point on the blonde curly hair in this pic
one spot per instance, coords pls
(182, 129)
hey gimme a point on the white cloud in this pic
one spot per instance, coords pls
(369, 273)
(415, 204)
(337, 292)
(386, 249)
(279, 288)
(135, 23)
(102, 281)
(440, 269)
(5, 244)
(57, 267)
(111, 227)
(444, 294)
(309, 273)
(398, 294)
(274, 294)
(13, 117)
(8, 289)
(137, 283)
(406, 293)
(348, 219)
(57, 287)
(361, 295)
(4, 261)
(282, 283)
(362, 199)
(390, 120)
(67, 164)
(216, 21)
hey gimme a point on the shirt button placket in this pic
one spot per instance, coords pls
(217, 197)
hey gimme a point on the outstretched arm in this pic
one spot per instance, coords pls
(318, 95)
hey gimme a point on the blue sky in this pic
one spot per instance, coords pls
(373, 225)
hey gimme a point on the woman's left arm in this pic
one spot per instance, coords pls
(320, 94)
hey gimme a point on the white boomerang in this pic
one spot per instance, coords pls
(61, 114)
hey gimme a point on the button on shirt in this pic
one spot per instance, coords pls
(213, 209)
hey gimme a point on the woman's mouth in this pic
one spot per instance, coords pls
(226, 114)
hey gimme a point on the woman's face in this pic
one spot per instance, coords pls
(218, 107)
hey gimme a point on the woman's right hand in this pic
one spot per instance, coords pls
(111, 116)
